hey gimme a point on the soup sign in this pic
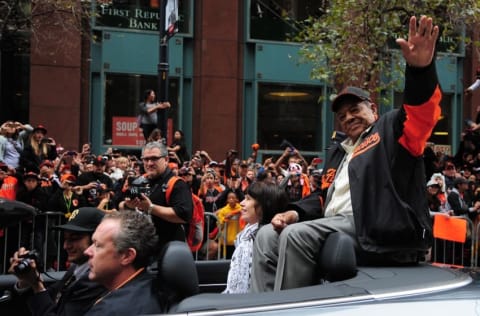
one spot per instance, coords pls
(125, 131)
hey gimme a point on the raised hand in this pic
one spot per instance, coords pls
(418, 50)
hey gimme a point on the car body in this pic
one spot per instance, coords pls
(385, 290)
(419, 289)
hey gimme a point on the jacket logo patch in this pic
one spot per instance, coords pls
(369, 142)
(328, 177)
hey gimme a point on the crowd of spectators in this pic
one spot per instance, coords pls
(37, 171)
(34, 169)
(453, 180)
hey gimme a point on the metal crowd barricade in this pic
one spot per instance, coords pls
(476, 240)
(209, 219)
(453, 232)
(222, 249)
(51, 219)
(35, 234)
(9, 238)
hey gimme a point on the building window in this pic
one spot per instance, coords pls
(289, 112)
(123, 94)
(277, 20)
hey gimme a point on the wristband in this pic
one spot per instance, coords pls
(150, 209)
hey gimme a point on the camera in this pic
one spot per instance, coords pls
(45, 141)
(138, 187)
(24, 265)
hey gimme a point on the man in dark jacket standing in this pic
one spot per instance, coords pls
(74, 294)
(168, 216)
(373, 185)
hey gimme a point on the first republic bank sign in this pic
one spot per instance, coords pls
(133, 17)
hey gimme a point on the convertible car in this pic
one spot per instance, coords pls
(343, 288)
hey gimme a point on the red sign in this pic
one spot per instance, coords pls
(126, 132)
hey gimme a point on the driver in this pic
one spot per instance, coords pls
(74, 294)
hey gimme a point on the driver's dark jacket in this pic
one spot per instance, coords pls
(386, 172)
(74, 298)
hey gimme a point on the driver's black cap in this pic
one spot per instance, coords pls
(83, 220)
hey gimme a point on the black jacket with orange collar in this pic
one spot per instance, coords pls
(386, 172)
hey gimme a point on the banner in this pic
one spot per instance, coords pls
(126, 132)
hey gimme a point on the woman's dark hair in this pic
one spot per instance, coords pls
(181, 133)
(270, 198)
(146, 94)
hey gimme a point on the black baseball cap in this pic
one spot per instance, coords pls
(83, 220)
(349, 92)
(459, 180)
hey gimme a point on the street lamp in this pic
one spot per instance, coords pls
(167, 28)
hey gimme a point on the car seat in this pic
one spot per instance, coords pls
(177, 274)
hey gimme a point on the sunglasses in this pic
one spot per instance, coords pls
(152, 158)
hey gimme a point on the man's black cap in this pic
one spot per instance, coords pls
(83, 220)
(100, 160)
(459, 180)
(349, 92)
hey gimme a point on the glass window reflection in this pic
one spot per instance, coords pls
(277, 20)
(290, 112)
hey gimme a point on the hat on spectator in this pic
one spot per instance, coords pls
(213, 163)
(68, 177)
(432, 183)
(100, 160)
(30, 175)
(40, 128)
(459, 180)
(317, 173)
(47, 163)
(349, 92)
(83, 220)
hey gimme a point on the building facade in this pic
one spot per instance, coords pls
(234, 80)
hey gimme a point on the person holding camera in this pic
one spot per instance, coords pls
(13, 136)
(95, 181)
(38, 148)
(167, 215)
(74, 294)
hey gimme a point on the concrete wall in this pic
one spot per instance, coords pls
(218, 102)
(55, 78)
